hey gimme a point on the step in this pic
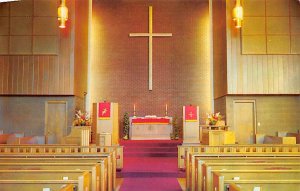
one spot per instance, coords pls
(150, 154)
(150, 149)
(151, 143)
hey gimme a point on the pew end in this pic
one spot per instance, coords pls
(69, 187)
(234, 187)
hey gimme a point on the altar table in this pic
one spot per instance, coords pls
(154, 128)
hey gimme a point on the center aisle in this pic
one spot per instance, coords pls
(150, 166)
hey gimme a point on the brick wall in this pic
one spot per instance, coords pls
(181, 67)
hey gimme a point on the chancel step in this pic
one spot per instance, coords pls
(150, 148)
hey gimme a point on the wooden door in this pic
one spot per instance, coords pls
(55, 121)
(244, 121)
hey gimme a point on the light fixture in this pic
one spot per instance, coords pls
(238, 14)
(7, 1)
(62, 14)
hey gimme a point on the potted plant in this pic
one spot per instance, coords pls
(175, 134)
(126, 125)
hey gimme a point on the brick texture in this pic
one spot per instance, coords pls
(181, 67)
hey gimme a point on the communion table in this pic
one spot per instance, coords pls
(150, 128)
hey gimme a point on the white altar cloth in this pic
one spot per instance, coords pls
(143, 128)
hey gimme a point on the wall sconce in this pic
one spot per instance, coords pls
(238, 14)
(62, 14)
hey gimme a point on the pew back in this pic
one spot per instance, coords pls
(106, 172)
(98, 177)
(204, 178)
(82, 184)
(191, 168)
(220, 177)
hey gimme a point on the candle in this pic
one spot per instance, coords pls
(166, 107)
(133, 107)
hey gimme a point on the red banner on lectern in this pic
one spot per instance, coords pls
(104, 110)
(190, 113)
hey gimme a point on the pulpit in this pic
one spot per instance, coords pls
(150, 128)
(214, 135)
(106, 122)
(191, 125)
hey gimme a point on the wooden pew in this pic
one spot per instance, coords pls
(50, 149)
(204, 179)
(185, 150)
(82, 184)
(69, 187)
(237, 149)
(97, 170)
(219, 177)
(104, 158)
(273, 184)
(191, 168)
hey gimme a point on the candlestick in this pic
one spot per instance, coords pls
(166, 109)
(134, 110)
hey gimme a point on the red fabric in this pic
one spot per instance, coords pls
(151, 120)
(104, 110)
(190, 113)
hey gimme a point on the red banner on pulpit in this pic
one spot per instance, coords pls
(104, 110)
(191, 113)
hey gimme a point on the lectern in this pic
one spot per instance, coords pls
(191, 125)
(106, 122)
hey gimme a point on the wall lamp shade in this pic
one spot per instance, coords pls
(238, 14)
(62, 14)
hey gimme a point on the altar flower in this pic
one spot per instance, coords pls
(213, 118)
(82, 119)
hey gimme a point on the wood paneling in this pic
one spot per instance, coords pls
(259, 74)
(274, 113)
(219, 48)
(81, 48)
(33, 75)
(36, 56)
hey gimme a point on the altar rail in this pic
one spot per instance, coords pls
(64, 149)
(183, 151)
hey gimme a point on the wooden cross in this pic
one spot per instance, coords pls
(150, 35)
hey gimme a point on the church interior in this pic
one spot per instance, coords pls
(152, 95)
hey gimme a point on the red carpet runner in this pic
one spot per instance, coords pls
(150, 166)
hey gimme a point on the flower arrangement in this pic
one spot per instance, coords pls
(82, 119)
(213, 118)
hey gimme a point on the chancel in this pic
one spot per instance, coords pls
(99, 95)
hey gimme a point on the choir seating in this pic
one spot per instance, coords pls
(289, 134)
(81, 184)
(220, 178)
(7, 138)
(269, 139)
